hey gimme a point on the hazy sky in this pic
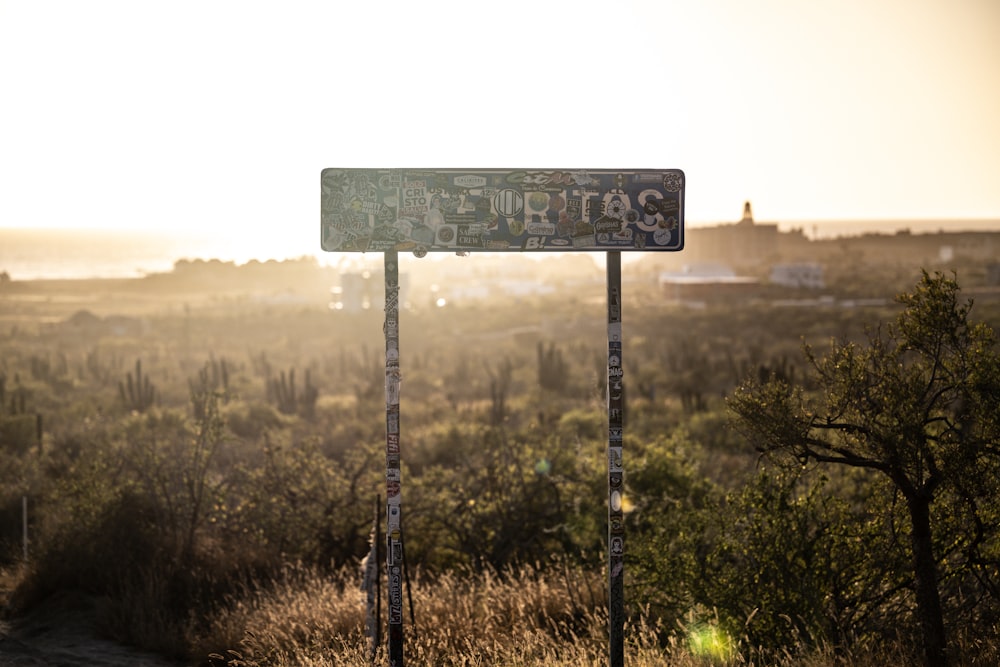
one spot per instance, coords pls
(221, 114)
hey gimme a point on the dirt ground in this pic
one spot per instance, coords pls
(62, 633)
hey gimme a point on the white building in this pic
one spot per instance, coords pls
(805, 274)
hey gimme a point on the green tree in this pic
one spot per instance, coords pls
(919, 404)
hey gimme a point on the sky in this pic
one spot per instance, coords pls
(220, 115)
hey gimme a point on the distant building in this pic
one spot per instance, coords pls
(706, 281)
(807, 275)
(981, 247)
(993, 274)
(744, 243)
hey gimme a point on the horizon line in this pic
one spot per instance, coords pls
(687, 221)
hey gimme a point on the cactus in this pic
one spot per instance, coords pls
(553, 371)
(18, 401)
(19, 429)
(18, 405)
(309, 395)
(213, 380)
(499, 386)
(137, 393)
(282, 392)
(779, 369)
(41, 369)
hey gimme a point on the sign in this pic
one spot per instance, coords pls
(461, 210)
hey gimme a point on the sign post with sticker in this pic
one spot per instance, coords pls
(616, 514)
(393, 481)
(503, 210)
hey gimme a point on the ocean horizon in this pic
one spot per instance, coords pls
(67, 254)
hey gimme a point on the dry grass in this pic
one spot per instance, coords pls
(521, 619)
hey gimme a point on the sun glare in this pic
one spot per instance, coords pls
(710, 641)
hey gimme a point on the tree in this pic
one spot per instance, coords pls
(919, 404)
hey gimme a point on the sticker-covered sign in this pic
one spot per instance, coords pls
(427, 210)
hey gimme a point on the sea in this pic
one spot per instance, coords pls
(53, 254)
(66, 254)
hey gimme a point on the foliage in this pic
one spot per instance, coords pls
(212, 510)
(301, 506)
(919, 405)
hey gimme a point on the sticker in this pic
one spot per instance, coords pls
(471, 236)
(616, 501)
(615, 332)
(420, 210)
(615, 456)
(614, 305)
(395, 595)
(469, 181)
(396, 551)
(414, 197)
(615, 389)
(538, 201)
(574, 209)
(616, 207)
(540, 228)
(673, 182)
(446, 234)
(508, 203)
(607, 225)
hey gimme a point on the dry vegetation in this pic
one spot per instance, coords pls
(207, 465)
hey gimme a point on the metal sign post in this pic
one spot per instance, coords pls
(24, 525)
(506, 210)
(616, 517)
(394, 536)
(372, 585)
